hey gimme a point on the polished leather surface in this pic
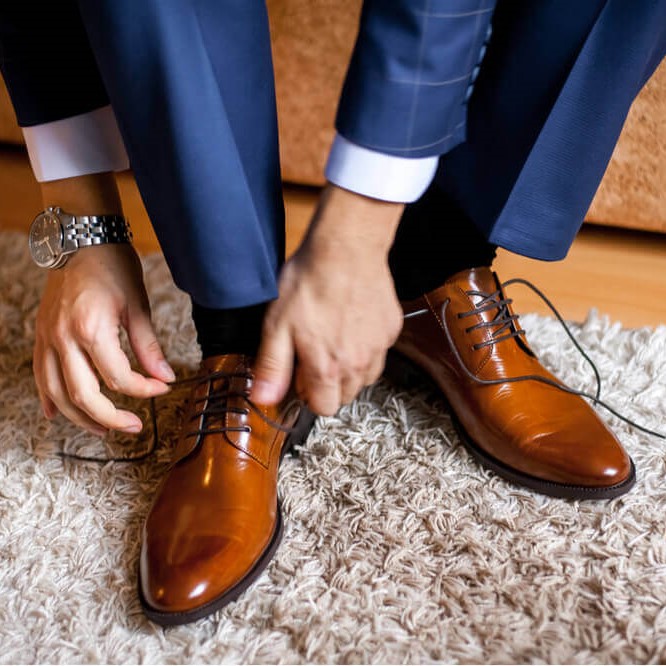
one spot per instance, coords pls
(531, 427)
(216, 511)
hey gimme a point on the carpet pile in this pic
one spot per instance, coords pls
(398, 547)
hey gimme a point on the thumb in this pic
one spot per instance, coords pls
(273, 367)
(146, 346)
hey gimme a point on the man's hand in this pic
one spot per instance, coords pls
(337, 312)
(77, 340)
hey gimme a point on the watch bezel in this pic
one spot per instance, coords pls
(57, 254)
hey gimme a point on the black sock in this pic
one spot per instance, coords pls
(435, 240)
(228, 331)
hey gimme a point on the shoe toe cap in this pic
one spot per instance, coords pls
(181, 577)
(594, 460)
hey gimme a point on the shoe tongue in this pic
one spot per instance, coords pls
(467, 290)
(476, 279)
(480, 279)
(236, 381)
(463, 301)
(235, 365)
(226, 363)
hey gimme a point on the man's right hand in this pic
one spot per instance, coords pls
(77, 340)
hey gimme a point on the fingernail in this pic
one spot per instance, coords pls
(167, 372)
(132, 429)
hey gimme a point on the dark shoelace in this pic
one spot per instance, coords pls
(505, 328)
(215, 406)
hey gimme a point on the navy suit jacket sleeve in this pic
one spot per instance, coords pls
(411, 73)
(46, 61)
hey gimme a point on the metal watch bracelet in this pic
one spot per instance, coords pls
(86, 230)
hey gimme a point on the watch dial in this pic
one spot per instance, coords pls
(46, 239)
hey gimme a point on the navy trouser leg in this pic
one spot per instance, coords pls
(191, 84)
(554, 89)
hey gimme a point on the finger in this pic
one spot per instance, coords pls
(350, 387)
(114, 367)
(48, 406)
(353, 384)
(318, 382)
(146, 346)
(274, 366)
(375, 369)
(55, 390)
(84, 393)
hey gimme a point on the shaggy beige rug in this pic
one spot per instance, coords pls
(398, 547)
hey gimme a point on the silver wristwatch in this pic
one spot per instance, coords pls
(54, 235)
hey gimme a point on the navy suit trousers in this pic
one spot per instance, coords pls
(525, 121)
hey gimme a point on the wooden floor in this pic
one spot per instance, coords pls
(621, 273)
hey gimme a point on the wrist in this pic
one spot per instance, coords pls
(80, 213)
(346, 220)
(93, 194)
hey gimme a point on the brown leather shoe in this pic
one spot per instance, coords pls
(464, 334)
(216, 521)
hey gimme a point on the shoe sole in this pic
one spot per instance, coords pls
(295, 438)
(405, 372)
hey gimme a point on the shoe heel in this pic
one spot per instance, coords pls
(401, 371)
(300, 431)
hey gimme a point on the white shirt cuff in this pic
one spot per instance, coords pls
(76, 146)
(377, 175)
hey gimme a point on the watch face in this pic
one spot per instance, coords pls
(46, 239)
